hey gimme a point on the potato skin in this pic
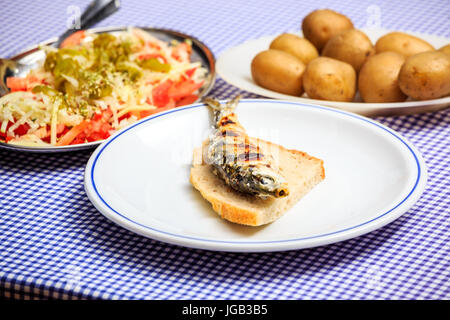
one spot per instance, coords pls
(378, 78)
(402, 43)
(320, 25)
(445, 49)
(278, 71)
(351, 46)
(299, 47)
(426, 75)
(329, 79)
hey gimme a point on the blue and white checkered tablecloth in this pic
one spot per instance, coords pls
(55, 244)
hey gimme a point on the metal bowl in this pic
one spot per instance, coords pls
(200, 53)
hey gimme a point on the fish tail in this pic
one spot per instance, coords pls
(221, 110)
(212, 102)
(232, 104)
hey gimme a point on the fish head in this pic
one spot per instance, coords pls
(270, 184)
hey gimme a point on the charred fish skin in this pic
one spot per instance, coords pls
(241, 164)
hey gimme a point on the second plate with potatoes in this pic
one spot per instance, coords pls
(237, 66)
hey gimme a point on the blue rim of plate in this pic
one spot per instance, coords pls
(102, 147)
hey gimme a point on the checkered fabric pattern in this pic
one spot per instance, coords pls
(55, 244)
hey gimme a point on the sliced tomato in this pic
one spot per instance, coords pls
(22, 129)
(74, 39)
(99, 135)
(104, 115)
(107, 114)
(95, 136)
(73, 133)
(187, 100)
(126, 115)
(43, 132)
(170, 104)
(136, 113)
(153, 45)
(22, 84)
(61, 129)
(33, 79)
(160, 93)
(17, 84)
(147, 56)
(107, 129)
(95, 126)
(97, 116)
(181, 52)
(147, 113)
(3, 135)
(97, 130)
(190, 72)
(183, 88)
(81, 138)
(88, 130)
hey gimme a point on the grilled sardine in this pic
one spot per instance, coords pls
(241, 163)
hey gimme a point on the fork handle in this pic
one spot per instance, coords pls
(96, 11)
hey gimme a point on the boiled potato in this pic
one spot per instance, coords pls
(278, 71)
(329, 79)
(320, 25)
(351, 46)
(402, 43)
(445, 49)
(426, 75)
(295, 45)
(377, 81)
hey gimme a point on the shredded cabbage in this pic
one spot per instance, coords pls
(116, 72)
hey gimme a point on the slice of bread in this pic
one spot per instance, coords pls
(301, 171)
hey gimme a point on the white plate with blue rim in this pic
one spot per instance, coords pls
(139, 177)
